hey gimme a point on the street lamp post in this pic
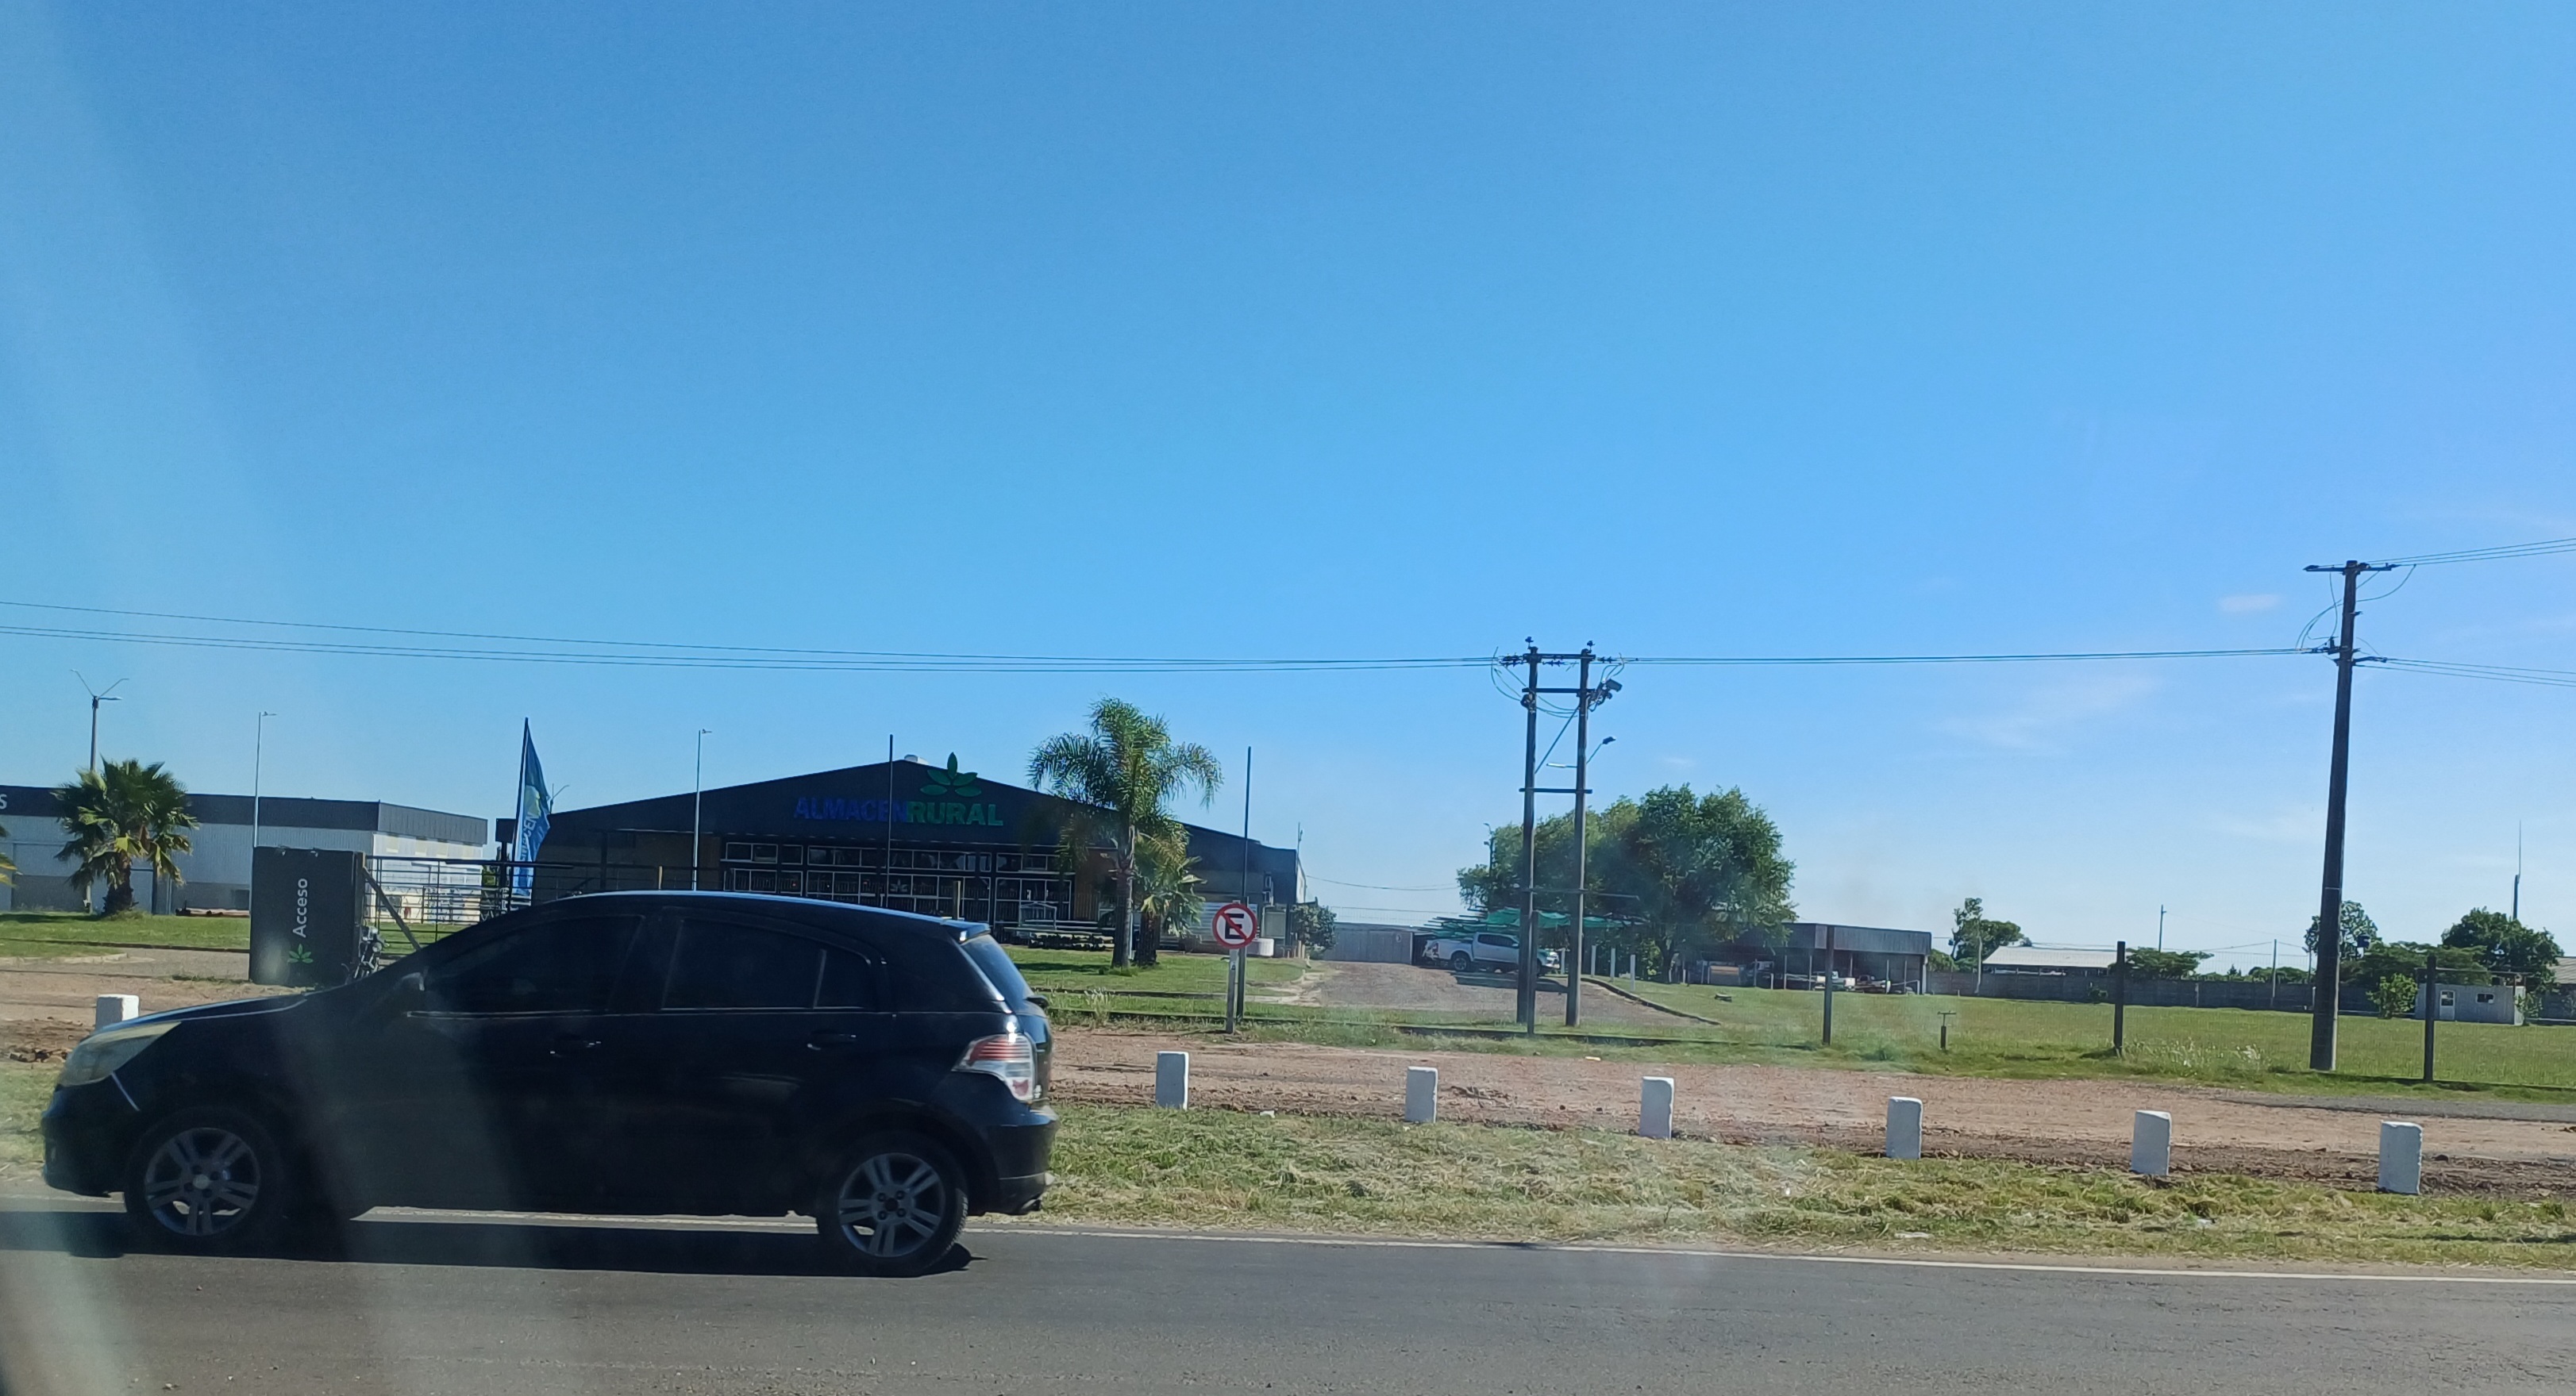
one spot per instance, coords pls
(258, 752)
(697, 802)
(96, 697)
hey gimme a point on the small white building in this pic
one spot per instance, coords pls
(215, 874)
(2474, 1003)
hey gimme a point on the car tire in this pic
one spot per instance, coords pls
(213, 1180)
(1462, 962)
(893, 1205)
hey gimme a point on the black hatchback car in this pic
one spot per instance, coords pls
(642, 1053)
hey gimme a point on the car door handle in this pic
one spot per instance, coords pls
(569, 1043)
(818, 1041)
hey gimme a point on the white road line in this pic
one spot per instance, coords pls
(2031, 1267)
(776, 1224)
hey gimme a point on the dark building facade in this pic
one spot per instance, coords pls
(901, 834)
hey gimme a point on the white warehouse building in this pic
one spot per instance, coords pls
(215, 875)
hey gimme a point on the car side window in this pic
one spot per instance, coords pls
(566, 966)
(726, 964)
(850, 980)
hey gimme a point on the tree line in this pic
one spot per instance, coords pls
(2481, 947)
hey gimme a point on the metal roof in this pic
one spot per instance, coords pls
(2050, 957)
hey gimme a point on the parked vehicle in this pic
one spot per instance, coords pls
(697, 1053)
(1494, 952)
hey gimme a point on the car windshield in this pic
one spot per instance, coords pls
(1391, 697)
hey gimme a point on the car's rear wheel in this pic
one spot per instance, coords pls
(1462, 962)
(210, 1180)
(893, 1206)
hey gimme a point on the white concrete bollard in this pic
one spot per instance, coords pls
(2401, 1157)
(2151, 1144)
(116, 1008)
(1421, 1094)
(1655, 1108)
(1904, 1127)
(1172, 1080)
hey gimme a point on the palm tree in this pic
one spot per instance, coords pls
(1120, 774)
(121, 814)
(1167, 887)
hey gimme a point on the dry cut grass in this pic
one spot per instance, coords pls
(1221, 1169)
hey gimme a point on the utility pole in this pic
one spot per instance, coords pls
(2517, 872)
(2329, 975)
(2160, 928)
(1234, 959)
(1525, 997)
(2120, 998)
(96, 697)
(1586, 696)
(2432, 1009)
(1582, 863)
(697, 804)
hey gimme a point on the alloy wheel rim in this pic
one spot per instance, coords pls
(202, 1182)
(891, 1205)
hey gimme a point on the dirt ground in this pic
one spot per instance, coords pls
(47, 1005)
(2050, 1122)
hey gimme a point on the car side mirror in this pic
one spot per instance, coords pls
(410, 992)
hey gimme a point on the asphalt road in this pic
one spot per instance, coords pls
(466, 1306)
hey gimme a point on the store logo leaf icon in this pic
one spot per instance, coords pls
(952, 782)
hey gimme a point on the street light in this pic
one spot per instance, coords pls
(697, 802)
(258, 751)
(96, 697)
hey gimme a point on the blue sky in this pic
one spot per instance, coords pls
(1337, 330)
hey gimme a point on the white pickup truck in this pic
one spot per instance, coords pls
(1494, 952)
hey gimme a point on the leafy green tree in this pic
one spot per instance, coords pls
(119, 815)
(2359, 934)
(1311, 924)
(1668, 871)
(2507, 946)
(1975, 935)
(1120, 774)
(2456, 964)
(1695, 871)
(2164, 964)
(2393, 995)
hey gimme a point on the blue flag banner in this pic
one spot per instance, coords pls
(536, 805)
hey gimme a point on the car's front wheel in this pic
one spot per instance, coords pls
(894, 1206)
(210, 1179)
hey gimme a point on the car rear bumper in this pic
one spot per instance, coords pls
(1020, 1154)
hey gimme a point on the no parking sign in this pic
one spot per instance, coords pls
(1234, 926)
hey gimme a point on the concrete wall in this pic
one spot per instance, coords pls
(2149, 993)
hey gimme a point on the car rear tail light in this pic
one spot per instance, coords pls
(1010, 1059)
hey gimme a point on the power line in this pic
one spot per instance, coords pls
(2544, 548)
(2035, 658)
(500, 647)
(1375, 886)
(2494, 673)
